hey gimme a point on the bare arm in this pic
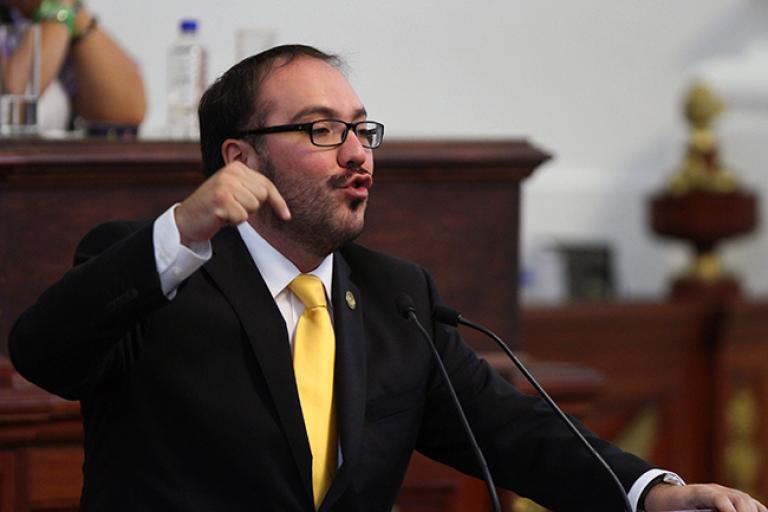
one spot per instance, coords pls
(109, 85)
(54, 41)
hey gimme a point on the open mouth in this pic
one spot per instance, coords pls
(359, 180)
(354, 183)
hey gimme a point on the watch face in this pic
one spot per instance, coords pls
(672, 479)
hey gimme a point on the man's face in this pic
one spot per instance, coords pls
(326, 188)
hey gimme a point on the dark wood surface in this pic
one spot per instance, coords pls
(450, 205)
(657, 359)
(704, 218)
(41, 450)
(741, 372)
(687, 377)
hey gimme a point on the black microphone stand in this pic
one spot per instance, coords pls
(407, 309)
(448, 316)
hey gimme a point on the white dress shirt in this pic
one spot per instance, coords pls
(278, 272)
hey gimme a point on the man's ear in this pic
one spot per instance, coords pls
(238, 150)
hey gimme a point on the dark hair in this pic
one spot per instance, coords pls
(232, 103)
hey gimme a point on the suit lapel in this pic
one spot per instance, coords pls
(236, 275)
(350, 386)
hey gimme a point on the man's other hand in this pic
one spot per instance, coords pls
(700, 496)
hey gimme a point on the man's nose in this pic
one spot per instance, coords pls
(352, 154)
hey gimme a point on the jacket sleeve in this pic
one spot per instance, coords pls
(83, 325)
(528, 448)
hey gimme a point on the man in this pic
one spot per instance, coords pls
(186, 339)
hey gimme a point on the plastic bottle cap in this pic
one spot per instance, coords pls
(188, 26)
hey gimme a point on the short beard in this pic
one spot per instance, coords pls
(313, 224)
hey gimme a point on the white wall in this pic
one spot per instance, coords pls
(597, 82)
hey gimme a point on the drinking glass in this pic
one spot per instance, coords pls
(19, 78)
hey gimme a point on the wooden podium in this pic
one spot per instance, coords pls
(451, 205)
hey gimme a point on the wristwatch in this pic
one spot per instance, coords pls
(52, 10)
(664, 478)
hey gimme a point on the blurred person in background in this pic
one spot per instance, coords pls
(84, 73)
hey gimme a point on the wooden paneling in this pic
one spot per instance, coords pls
(7, 481)
(431, 201)
(40, 449)
(742, 397)
(53, 473)
(694, 371)
(657, 361)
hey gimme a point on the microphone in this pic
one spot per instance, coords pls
(407, 310)
(448, 316)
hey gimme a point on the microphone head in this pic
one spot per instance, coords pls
(405, 305)
(445, 315)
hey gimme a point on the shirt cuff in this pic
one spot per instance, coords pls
(641, 483)
(175, 262)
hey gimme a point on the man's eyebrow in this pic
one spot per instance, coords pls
(325, 112)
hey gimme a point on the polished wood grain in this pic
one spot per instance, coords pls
(655, 357)
(432, 200)
(742, 397)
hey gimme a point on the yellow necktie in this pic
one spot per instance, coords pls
(314, 351)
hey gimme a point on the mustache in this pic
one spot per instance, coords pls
(341, 180)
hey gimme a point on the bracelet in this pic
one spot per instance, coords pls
(52, 10)
(90, 27)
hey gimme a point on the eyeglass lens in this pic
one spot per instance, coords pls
(332, 133)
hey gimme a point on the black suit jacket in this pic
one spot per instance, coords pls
(191, 404)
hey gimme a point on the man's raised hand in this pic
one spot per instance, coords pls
(227, 198)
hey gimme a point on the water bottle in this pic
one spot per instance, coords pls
(186, 81)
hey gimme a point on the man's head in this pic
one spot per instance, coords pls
(233, 103)
(325, 184)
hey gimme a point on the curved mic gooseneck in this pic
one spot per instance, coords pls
(448, 316)
(408, 310)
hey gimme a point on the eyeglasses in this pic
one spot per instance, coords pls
(327, 133)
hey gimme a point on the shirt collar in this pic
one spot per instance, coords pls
(277, 270)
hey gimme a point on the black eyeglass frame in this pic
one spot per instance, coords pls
(307, 128)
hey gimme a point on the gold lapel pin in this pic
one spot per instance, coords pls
(351, 301)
